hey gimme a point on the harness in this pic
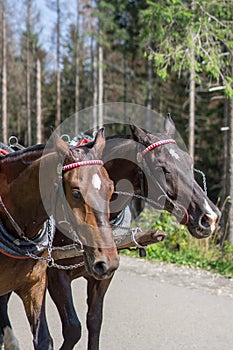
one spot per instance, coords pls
(13, 247)
(24, 247)
(121, 224)
(19, 248)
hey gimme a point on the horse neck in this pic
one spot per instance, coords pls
(23, 199)
(120, 162)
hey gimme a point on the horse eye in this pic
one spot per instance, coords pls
(77, 194)
(166, 172)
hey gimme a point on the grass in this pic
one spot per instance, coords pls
(180, 248)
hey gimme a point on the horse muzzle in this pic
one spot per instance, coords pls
(101, 267)
(206, 226)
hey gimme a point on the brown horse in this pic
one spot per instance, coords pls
(83, 206)
(155, 169)
(161, 172)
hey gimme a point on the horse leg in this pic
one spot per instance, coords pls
(96, 290)
(34, 303)
(59, 286)
(8, 340)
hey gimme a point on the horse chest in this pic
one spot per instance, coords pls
(17, 272)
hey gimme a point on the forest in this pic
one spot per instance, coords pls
(59, 57)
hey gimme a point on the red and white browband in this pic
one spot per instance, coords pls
(100, 162)
(157, 144)
(83, 163)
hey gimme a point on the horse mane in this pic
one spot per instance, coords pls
(126, 137)
(29, 151)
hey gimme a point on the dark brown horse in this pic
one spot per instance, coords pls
(157, 169)
(77, 193)
(162, 172)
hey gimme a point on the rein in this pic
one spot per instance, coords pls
(12, 221)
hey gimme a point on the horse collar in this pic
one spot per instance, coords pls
(23, 247)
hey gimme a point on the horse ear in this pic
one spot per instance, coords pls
(60, 145)
(99, 142)
(169, 126)
(138, 134)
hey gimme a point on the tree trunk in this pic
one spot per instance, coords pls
(192, 104)
(58, 98)
(38, 102)
(230, 171)
(4, 76)
(28, 76)
(77, 78)
(101, 86)
(224, 192)
(95, 86)
(149, 94)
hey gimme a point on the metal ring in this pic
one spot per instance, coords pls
(66, 138)
(134, 231)
(13, 142)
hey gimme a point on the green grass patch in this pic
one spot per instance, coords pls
(180, 248)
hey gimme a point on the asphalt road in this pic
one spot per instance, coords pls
(151, 307)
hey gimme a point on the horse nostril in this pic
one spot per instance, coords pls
(100, 268)
(204, 221)
(208, 221)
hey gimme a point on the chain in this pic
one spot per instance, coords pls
(50, 243)
(148, 200)
(131, 231)
(203, 179)
(49, 260)
(67, 267)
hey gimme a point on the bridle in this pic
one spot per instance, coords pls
(140, 158)
(58, 186)
(157, 144)
(82, 163)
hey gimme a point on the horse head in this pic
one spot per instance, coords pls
(41, 181)
(88, 190)
(170, 180)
